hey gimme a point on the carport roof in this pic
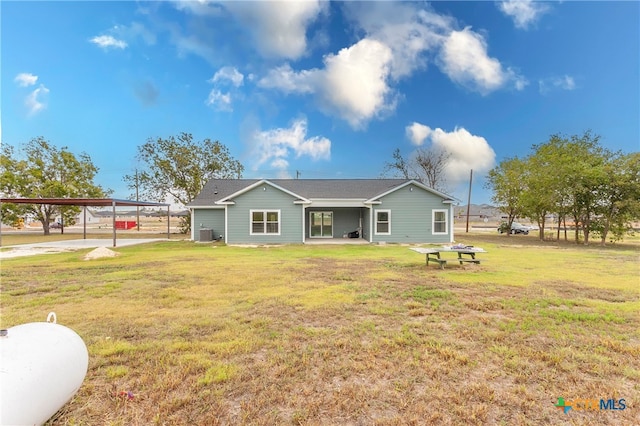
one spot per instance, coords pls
(81, 202)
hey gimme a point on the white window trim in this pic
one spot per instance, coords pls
(265, 211)
(376, 221)
(433, 221)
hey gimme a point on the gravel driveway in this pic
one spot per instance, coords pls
(68, 245)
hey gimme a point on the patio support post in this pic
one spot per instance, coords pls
(304, 226)
(113, 204)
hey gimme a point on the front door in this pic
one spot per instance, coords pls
(321, 224)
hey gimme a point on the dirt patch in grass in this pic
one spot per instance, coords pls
(359, 336)
(100, 253)
(573, 291)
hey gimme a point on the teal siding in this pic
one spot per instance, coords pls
(270, 198)
(411, 208)
(209, 218)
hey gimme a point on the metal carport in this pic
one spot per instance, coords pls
(94, 202)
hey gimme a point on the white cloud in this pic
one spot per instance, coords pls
(352, 85)
(192, 44)
(519, 81)
(417, 133)
(230, 74)
(415, 34)
(219, 101)
(285, 79)
(34, 101)
(107, 41)
(134, 31)
(410, 32)
(523, 12)
(467, 151)
(565, 82)
(279, 30)
(225, 76)
(356, 83)
(465, 60)
(199, 7)
(275, 146)
(25, 79)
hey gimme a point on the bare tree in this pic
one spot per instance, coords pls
(427, 165)
(398, 167)
(431, 164)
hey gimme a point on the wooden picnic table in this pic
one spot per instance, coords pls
(433, 254)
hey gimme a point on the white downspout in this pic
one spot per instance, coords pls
(226, 225)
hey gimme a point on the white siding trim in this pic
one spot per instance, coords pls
(226, 224)
(444, 196)
(228, 198)
(193, 221)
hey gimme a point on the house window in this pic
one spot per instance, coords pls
(383, 222)
(440, 223)
(265, 222)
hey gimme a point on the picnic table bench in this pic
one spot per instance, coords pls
(433, 254)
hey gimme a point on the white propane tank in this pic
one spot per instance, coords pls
(42, 365)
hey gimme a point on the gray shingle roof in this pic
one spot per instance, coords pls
(219, 189)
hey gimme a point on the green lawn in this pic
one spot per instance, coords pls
(207, 334)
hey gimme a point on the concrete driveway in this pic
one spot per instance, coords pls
(69, 245)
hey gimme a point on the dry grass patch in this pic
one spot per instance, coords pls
(338, 335)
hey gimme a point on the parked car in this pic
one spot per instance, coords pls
(516, 228)
(55, 225)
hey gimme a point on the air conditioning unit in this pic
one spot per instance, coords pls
(206, 234)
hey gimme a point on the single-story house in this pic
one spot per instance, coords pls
(276, 211)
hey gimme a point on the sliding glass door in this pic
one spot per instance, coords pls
(321, 224)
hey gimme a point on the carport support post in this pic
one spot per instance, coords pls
(113, 204)
(84, 224)
(168, 220)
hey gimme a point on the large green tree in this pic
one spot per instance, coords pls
(178, 167)
(585, 163)
(507, 181)
(549, 182)
(41, 170)
(572, 177)
(618, 196)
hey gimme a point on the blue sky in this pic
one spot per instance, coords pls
(326, 89)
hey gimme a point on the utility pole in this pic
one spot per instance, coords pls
(469, 199)
(137, 207)
(298, 174)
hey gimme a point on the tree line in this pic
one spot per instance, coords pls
(574, 180)
(176, 167)
(568, 178)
